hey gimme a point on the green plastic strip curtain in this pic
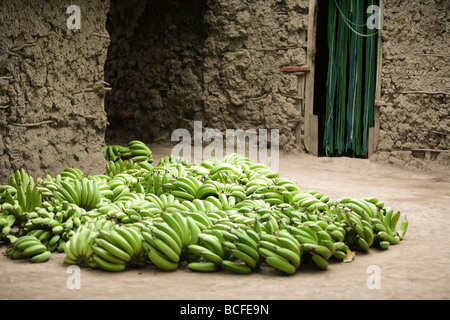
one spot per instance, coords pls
(351, 78)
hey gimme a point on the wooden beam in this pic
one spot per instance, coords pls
(296, 69)
(379, 103)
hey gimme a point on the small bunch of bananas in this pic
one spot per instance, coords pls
(114, 168)
(85, 193)
(21, 195)
(172, 159)
(78, 248)
(136, 150)
(165, 241)
(28, 247)
(183, 188)
(272, 194)
(215, 188)
(117, 248)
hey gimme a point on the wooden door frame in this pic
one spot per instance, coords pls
(311, 121)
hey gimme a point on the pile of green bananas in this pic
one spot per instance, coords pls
(226, 214)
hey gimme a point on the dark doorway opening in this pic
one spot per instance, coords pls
(345, 75)
(154, 66)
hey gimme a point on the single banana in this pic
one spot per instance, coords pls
(203, 266)
(117, 239)
(319, 261)
(394, 220)
(235, 267)
(384, 244)
(106, 255)
(240, 255)
(113, 249)
(41, 257)
(107, 265)
(384, 236)
(363, 245)
(34, 250)
(194, 230)
(204, 252)
(281, 264)
(403, 228)
(160, 260)
(182, 222)
(163, 226)
(339, 255)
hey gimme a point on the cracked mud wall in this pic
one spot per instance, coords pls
(219, 62)
(248, 44)
(416, 59)
(51, 103)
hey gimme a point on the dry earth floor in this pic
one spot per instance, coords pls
(417, 268)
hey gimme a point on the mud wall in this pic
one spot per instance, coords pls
(248, 44)
(415, 85)
(51, 98)
(219, 62)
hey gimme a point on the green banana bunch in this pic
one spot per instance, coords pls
(79, 247)
(166, 241)
(161, 203)
(263, 169)
(215, 188)
(85, 193)
(136, 151)
(123, 245)
(281, 252)
(112, 152)
(163, 251)
(114, 168)
(172, 159)
(20, 196)
(72, 174)
(28, 247)
(311, 201)
(183, 188)
(157, 178)
(139, 152)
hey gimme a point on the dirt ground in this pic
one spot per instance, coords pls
(415, 269)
